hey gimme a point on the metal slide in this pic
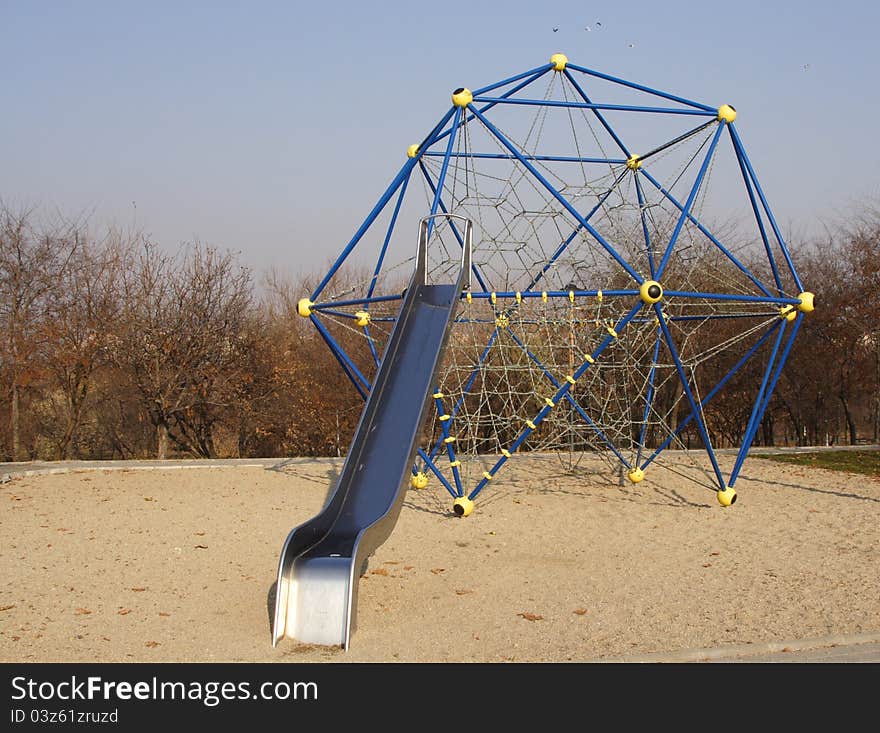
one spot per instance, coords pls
(322, 559)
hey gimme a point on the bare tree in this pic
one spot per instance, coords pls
(80, 313)
(179, 340)
(30, 263)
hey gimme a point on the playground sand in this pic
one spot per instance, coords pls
(177, 565)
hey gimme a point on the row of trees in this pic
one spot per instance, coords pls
(112, 348)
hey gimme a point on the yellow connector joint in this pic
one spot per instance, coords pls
(444, 418)
(806, 305)
(487, 475)
(450, 439)
(462, 97)
(570, 379)
(559, 60)
(549, 402)
(362, 318)
(505, 452)
(788, 313)
(530, 424)
(438, 395)
(590, 360)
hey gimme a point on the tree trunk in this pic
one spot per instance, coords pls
(850, 421)
(162, 440)
(14, 422)
(767, 425)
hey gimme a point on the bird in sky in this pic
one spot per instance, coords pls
(556, 29)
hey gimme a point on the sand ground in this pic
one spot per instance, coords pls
(178, 565)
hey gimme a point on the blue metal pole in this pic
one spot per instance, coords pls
(542, 158)
(593, 105)
(444, 432)
(643, 217)
(734, 297)
(562, 247)
(436, 471)
(559, 197)
(534, 73)
(355, 301)
(721, 316)
(471, 379)
(389, 192)
(745, 159)
(347, 366)
(679, 367)
(733, 370)
(690, 201)
(395, 184)
(758, 218)
(385, 243)
(375, 354)
(641, 88)
(769, 393)
(705, 231)
(757, 412)
(571, 400)
(558, 294)
(598, 114)
(621, 324)
(443, 169)
(506, 94)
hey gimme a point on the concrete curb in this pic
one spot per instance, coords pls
(13, 470)
(750, 650)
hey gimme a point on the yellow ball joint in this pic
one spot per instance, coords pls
(462, 97)
(419, 480)
(304, 307)
(633, 162)
(806, 304)
(726, 497)
(463, 507)
(651, 292)
(788, 312)
(726, 113)
(635, 475)
(559, 60)
(412, 151)
(362, 318)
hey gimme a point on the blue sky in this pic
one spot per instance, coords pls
(271, 128)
